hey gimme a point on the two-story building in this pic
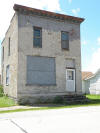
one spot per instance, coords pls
(41, 55)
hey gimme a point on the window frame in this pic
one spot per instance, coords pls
(38, 28)
(67, 41)
(3, 53)
(7, 75)
(9, 46)
(70, 73)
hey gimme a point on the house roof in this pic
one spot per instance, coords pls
(28, 10)
(86, 75)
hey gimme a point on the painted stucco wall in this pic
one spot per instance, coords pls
(51, 47)
(11, 60)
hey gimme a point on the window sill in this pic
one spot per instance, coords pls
(36, 47)
(65, 49)
(41, 85)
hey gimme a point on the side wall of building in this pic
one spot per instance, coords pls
(85, 86)
(12, 59)
(95, 84)
(51, 47)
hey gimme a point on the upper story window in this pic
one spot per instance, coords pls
(9, 47)
(7, 75)
(3, 54)
(65, 40)
(37, 37)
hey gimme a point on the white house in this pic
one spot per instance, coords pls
(91, 82)
(85, 82)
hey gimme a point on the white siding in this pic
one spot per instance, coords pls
(95, 84)
(92, 85)
(85, 86)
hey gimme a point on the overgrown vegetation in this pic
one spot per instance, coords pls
(58, 100)
(1, 91)
(4, 100)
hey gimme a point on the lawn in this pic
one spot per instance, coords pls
(94, 100)
(6, 102)
(93, 97)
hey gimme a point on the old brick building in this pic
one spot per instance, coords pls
(41, 55)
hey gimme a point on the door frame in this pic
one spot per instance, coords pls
(74, 70)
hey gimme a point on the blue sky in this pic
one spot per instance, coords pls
(90, 31)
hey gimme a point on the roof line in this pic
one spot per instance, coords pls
(8, 28)
(93, 75)
(29, 10)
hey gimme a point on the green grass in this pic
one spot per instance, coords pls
(6, 102)
(94, 100)
(93, 97)
(44, 108)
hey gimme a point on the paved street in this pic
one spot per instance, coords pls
(72, 120)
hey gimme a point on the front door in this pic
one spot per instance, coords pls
(70, 80)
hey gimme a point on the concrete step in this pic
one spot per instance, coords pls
(74, 99)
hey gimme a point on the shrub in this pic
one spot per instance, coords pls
(58, 100)
(1, 91)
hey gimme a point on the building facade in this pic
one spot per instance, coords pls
(41, 55)
(86, 83)
(91, 83)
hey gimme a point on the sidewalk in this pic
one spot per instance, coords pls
(16, 107)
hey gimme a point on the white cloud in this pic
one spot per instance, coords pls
(70, 1)
(6, 10)
(95, 61)
(76, 11)
(63, 12)
(93, 48)
(98, 40)
(84, 42)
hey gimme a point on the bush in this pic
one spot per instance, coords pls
(58, 100)
(1, 91)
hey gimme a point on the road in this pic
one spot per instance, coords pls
(69, 120)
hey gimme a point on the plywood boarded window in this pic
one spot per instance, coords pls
(41, 70)
(65, 40)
